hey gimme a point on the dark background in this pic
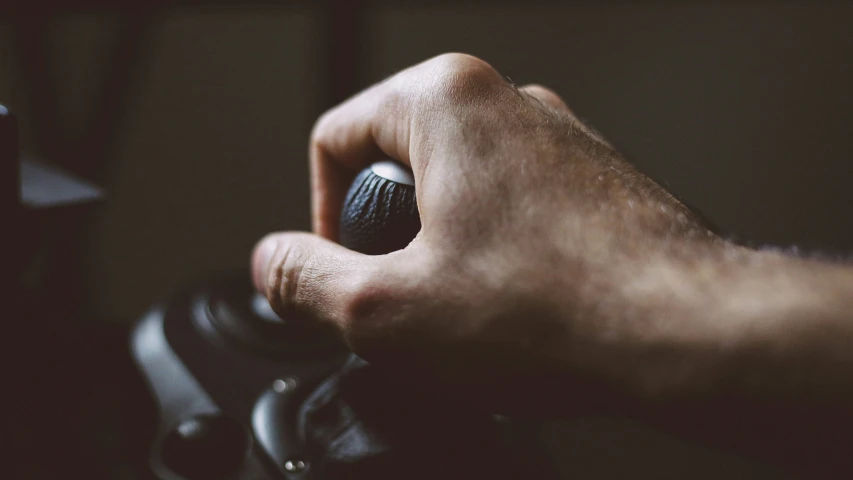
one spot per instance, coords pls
(195, 119)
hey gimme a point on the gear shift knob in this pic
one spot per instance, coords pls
(380, 213)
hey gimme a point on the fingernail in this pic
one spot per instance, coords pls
(261, 258)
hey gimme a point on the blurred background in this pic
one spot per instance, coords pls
(194, 120)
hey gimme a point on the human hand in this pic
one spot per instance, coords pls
(528, 278)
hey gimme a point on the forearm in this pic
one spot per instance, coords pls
(749, 348)
(743, 322)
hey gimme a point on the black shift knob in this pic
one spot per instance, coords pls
(380, 213)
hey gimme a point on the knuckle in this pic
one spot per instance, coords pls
(375, 310)
(460, 62)
(460, 77)
(545, 95)
(366, 299)
(387, 308)
(321, 126)
(287, 275)
(543, 91)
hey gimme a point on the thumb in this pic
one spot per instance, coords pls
(304, 274)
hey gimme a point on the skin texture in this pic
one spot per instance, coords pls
(550, 277)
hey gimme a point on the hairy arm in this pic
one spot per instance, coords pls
(731, 321)
(748, 350)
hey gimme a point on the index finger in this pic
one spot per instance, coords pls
(379, 122)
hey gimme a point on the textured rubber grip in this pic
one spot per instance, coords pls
(380, 213)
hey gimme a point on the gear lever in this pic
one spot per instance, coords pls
(245, 394)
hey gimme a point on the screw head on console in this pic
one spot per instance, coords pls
(295, 465)
(286, 384)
